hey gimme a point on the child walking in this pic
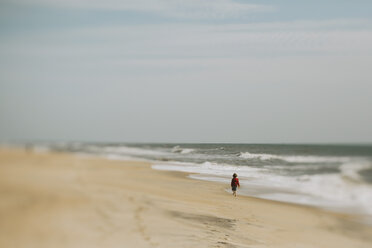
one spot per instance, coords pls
(234, 183)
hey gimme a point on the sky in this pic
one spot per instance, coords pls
(236, 71)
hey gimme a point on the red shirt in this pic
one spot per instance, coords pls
(235, 182)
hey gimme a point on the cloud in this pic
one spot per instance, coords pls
(182, 9)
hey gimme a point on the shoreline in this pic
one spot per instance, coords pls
(330, 181)
(357, 216)
(64, 200)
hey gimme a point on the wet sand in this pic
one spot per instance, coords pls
(65, 200)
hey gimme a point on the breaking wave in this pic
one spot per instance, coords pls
(293, 159)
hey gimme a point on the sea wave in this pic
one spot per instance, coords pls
(132, 151)
(335, 191)
(178, 149)
(261, 156)
(352, 171)
(210, 168)
(293, 159)
(322, 179)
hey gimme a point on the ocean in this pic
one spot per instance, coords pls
(334, 177)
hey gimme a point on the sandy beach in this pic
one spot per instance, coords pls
(65, 200)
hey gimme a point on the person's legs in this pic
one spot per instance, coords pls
(234, 191)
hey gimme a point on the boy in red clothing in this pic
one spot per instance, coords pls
(234, 183)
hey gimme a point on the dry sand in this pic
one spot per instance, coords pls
(63, 200)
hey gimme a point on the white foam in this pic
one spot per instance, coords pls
(261, 156)
(314, 159)
(350, 170)
(187, 151)
(294, 159)
(323, 190)
(209, 168)
(178, 149)
(327, 190)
